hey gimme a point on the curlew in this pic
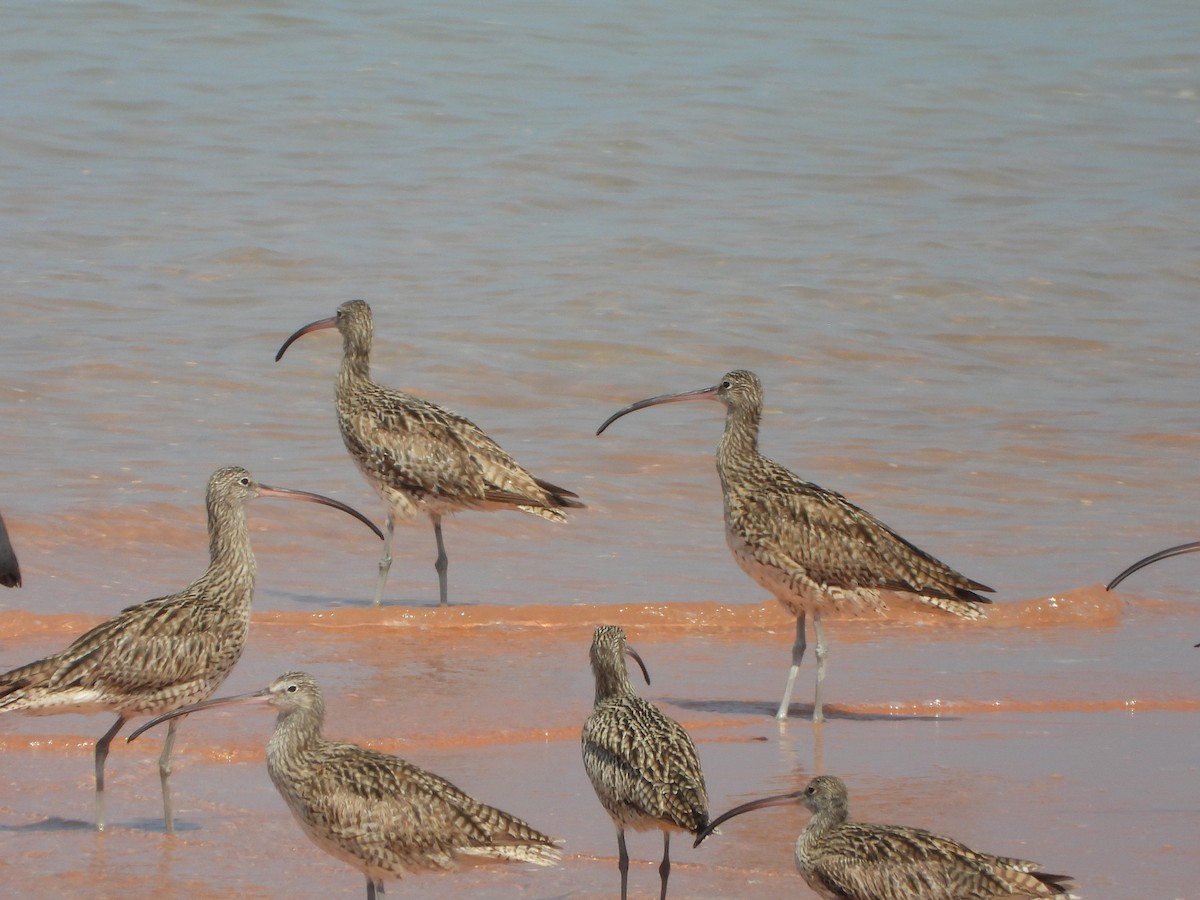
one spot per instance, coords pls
(163, 653)
(843, 860)
(420, 457)
(10, 572)
(812, 548)
(373, 811)
(642, 764)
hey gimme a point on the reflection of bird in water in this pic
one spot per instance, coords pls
(642, 764)
(164, 653)
(373, 811)
(10, 572)
(419, 456)
(843, 860)
(813, 549)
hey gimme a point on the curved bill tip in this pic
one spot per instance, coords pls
(1153, 558)
(708, 393)
(268, 491)
(776, 800)
(629, 651)
(330, 322)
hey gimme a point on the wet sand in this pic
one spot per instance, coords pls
(1024, 734)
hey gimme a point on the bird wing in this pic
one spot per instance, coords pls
(388, 813)
(895, 863)
(421, 448)
(152, 651)
(805, 527)
(642, 760)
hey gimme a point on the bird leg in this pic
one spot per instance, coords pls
(442, 563)
(164, 774)
(623, 863)
(370, 888)
(664, 870)
(101, 756)
(797, 656)
(385, 561)
(822, 653)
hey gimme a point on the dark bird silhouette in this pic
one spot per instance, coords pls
(10, 572)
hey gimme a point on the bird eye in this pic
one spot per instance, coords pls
(291, 688)
(244, 481)
(726, 384)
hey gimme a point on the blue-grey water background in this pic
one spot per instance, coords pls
(959, 243)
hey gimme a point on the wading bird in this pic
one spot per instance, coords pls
(373, 811)
(164, 653)
(420, 457)
(812, 548)
(642, 764)
(843, 860)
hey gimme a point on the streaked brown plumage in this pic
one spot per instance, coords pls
(843, 860)
(164, 653)
(10, 571)
(812, 548)
(373, 811)
(420, 457)
(642, 764)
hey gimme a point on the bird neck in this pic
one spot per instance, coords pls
(825, 820)
(612, 682)
(356, 359)
(295, 731)
(230, 556)
(740, 440)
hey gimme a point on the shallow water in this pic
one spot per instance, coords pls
(958, 244)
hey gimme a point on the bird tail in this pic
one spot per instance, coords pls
(16, 684)
(561, 496)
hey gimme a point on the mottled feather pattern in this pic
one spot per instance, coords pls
(155, 655)
(630, 743)
(642, 764)
(844, 860)
(420, 456)
(377, 812)
(811, 546)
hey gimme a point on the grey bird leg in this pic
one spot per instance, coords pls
(664, 870)
(797, 656)
(164, 775)
(822, 653)
(442, 563)
(623, 863)
(101, 756)
(385, 561)
(370, 888)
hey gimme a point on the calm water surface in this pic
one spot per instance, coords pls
(958, 243)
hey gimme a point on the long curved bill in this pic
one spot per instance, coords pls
(254, 698)
(629, 651)
(778, 800)
(331, 322)
(266, 491)
(708, 393)
(1153, 558)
